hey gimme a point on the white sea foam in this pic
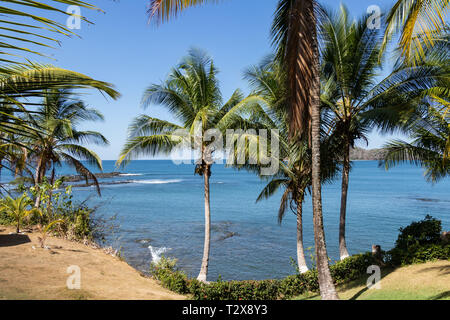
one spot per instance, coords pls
(130, 174)
(157, 181)
(157, 252)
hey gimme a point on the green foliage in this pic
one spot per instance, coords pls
(18, 208)
(426, 231)
(166, 272)
(419, 242)
(418, 254)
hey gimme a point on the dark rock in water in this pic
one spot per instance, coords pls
(427, 199)
(144, 242)
(76, 178)
(102, 183)
(228, 235)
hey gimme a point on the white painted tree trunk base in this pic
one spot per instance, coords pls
(202, 278)
(344, 256)
(303, 269)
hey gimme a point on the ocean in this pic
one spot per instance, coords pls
(161, 211)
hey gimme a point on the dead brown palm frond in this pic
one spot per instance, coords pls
(293, 33)
(162, 10)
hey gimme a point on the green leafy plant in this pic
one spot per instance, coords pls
(165, 270)
(342, 271)
(18, 208)
(426, 231)
(44, 230)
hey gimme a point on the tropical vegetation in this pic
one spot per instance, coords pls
(321, 91)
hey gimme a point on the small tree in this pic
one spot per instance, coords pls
(18, 208)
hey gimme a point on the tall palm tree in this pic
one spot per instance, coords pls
(268, 83)
(57, 138)
(192, 94)
(295, 31)
(418, 22)
(349, 71)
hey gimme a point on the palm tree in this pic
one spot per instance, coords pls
(349, 71)
(57, 139)
(191, 93)
(295, 32)
(17, 208)
(268, 83)
(419, 23)
(429, 148)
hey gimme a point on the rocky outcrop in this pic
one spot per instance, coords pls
(367, 154)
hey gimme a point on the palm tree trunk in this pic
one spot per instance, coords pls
(37, 181)
(343, 252)
(302, 266)
(205, 261)
(18, 226)
(326, 285)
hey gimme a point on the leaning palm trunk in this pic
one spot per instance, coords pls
(343, 252)
(205, 261)
(326, 285)
(40, 172)
(302, 266)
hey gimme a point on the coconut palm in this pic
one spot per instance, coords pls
(17, 208)
(295, 33)
(294, 176)
(418, 22)
(57, 138)
(191, 93)
(349, 71)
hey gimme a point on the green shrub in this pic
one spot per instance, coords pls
(166, 272)
(170, 277)
(419, 242)
(351, 268)
(426, 231)
(418, 254)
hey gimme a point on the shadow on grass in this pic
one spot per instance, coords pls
(363, 282)
(440, 296)
(443, 270)
(10, 240)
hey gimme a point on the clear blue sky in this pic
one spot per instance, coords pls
(123, 49)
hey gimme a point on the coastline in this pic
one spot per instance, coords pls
(30, 272)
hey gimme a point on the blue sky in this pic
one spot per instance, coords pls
(123, 49)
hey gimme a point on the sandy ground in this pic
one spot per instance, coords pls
(30, 272)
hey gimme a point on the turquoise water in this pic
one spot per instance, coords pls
(162, 211)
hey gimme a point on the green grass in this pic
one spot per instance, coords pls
(427, 281)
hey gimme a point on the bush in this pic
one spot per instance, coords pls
(418, 254)
(351, 268)
(424, 232)
(171, 278)
(235, 290)
(419, 242)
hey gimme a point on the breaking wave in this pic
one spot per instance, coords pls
(157, 252)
